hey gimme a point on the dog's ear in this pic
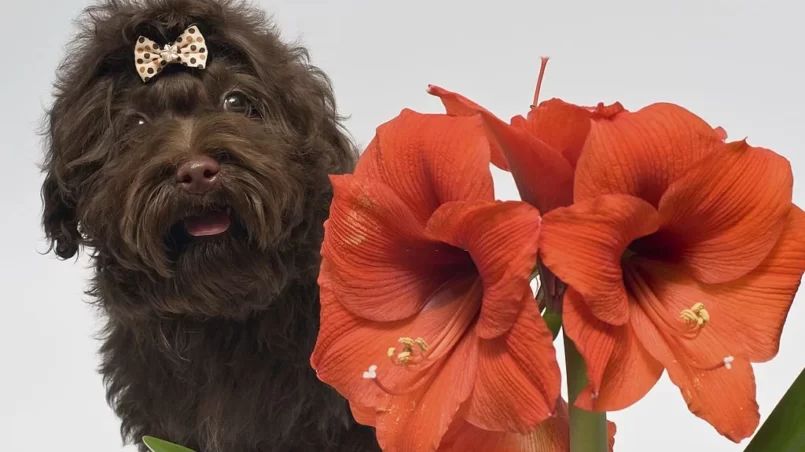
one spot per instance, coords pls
(59, 219)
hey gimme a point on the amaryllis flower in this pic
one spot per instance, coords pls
(427, 317)
(683, 253)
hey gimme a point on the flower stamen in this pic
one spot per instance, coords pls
(412, 353)
(697, 315)
(409, 354)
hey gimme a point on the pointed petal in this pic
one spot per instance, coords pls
(428, 160)
(543, 176)
(518, 379)
(501, 239)
(562, 126)
(419, 420)
(593, 338)
(718, 386)
(457, 105)
(375, 249)
(583, 245)
(728, 211)
(619, 370)
(641, 153)
(347, 344)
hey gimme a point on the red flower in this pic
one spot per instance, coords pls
(425, 291)
(683, 253)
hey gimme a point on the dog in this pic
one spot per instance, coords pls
(188, 150)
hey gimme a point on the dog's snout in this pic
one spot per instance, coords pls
(198, 175)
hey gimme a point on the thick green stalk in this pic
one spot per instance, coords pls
(588, 431)
(784, 430)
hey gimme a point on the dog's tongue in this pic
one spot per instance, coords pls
(207, 224)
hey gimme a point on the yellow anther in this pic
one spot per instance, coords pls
(408, 353)
(697, 314)
(403, 357)
(422, 344)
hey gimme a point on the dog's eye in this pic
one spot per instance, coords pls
(237, 102)
(137, 120)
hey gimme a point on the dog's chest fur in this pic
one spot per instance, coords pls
(219, 385)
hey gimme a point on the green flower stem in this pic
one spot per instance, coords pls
(588, 431)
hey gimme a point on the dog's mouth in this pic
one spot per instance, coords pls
(208, 223)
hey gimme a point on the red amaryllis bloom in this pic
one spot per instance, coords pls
(682, 253)
(427, 318)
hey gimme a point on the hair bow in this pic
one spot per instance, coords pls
(189, 49)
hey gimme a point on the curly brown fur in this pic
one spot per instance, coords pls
(207, 341)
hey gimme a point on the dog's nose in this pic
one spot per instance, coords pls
(198, 175)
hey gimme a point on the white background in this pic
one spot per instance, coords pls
(736, 63)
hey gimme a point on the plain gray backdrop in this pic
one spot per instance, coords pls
(737, 63)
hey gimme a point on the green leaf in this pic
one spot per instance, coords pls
(554, 322)
(784, 430)
(159, 445)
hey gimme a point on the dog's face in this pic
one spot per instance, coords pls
(199, 186)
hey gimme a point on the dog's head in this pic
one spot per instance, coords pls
(199, 185)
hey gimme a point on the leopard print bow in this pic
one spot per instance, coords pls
(189, 49)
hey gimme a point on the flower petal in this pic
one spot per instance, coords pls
(728, 211)
(457, 105)
(419, 420)
(722, 394)
(543, 176)
(518, 379)
(552, 435)
(562, 126)
(641, 153)
(619, 370)
(347, 345)
(379, 261)
(593, 338)
(746, 316)
(363, 415)
(501, 238)
(758, 303)
(428, 160)
(583, 245)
